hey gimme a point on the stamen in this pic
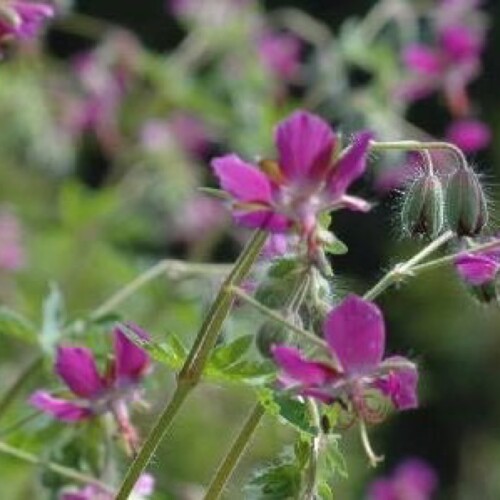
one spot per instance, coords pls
(372, 457)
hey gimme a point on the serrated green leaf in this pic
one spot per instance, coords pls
(334, 459)
(53, 319)
(15, 325)
(291, 410)
(283, 267)
(279, 481)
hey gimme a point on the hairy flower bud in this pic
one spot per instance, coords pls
(423, 207)
(466, 205)
(269, 334)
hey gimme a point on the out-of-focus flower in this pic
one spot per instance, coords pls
(280, 54)
(199, 217)
(181, 130)
(98, 393)
(470, 135)
(23, 19)
(450, 66)
(413, 479)
(143, 489)
(105, 76)
(303, 182)
(355, 335)
(12, 255)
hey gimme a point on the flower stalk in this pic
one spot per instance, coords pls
(192, 370)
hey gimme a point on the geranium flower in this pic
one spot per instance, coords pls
(305, 180)
(23, 19)
(412, 480)
(478, 269)
(355, 336)
(97, 393)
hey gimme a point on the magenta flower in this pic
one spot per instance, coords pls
(469, 135)
(478, 269)
(143, 489)
(23, 19)
(412, 480)
(355, 335)
(97, 393)
(12, 255)
(303, 182)
(449, 65)
(280, 54)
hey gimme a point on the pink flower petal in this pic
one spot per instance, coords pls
(355, 331)
(76, 366)
(131, 362)
(461, 42)
(400, 385)
(476, 269)
(59, 408)
(422, 59)
(297, 369)
(264, 219)
(469, 135)
(241, 180)
(305, 146)
(350, 166)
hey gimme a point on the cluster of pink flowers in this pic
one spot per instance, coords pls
(449, 65)
(12, 254)
(23, 19)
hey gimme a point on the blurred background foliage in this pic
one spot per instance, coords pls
(98, 207)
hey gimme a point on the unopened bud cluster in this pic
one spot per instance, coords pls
(430, 205)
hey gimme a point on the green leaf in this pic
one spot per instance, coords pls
(334, 460)
(228, 354)
(16, 325)
(324, 491)
(53, 319)
(337, 247)
(292, 411)
(283, 267)
(279, 481)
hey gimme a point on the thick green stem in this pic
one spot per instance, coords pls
(227, 467)
(58, 469)
(193, 367)
(407, 268)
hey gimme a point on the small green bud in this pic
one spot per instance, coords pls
(466, 206)
(269, 334)
(423, 207)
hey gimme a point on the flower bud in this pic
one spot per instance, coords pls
(269, 334)
(423, 207)
(466, 205)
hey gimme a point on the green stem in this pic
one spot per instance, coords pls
(227, 467)
(173, 268)
(449, 259)
(407, 268)
(421, 146)
(190, 373)
(9, 397)
(58, 469)
(238, 292)
(312, 471)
